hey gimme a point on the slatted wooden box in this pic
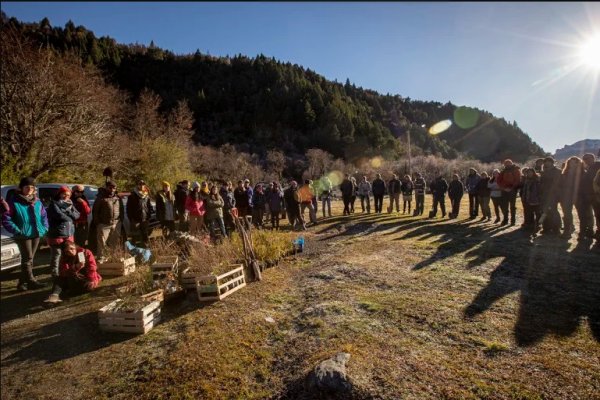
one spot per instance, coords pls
(121, 268)
(217, 287)
(140, 321)
(164, 265)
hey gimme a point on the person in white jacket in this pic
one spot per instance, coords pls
(364, 192)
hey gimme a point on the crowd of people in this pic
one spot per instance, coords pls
(211, 207)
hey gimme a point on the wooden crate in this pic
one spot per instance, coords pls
(121, 268)
(188, 279)
(164, 265)
(155, 295)
(214, 288)
(140, 321)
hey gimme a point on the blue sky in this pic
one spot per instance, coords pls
(516, 60)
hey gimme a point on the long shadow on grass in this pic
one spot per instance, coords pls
(62, 340)
(558, 289)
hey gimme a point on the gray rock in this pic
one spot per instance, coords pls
(330, 375)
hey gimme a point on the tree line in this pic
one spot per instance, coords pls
(260, 107)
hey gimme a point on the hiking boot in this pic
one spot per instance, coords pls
(33, 285)
(53, 299)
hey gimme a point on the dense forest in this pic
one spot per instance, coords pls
(260, 104)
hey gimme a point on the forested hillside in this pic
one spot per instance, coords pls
(260, 103)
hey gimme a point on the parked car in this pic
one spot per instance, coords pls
(11, 256)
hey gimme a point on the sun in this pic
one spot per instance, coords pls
(589, 52)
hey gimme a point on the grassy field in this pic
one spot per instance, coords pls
(427, 308)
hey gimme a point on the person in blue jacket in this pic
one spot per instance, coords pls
(26, 219)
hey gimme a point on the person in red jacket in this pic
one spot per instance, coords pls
(83, 206)
(78, 272)
(509, 181)
(194, 205)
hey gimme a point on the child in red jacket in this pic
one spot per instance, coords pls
(77, 272)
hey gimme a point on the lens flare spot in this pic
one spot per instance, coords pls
(376, 162)
(440, 127)
(336, 177)
(466, 117)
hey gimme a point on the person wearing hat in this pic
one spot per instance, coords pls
(139, 209)
(549, 196)
(82, 205)
(26, 219)
(181, 193)
(165, 208)
(509, 181)
(62, 215)
(196, 209)
(292, 206)
(107, 216)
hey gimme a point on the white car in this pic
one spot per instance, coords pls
(11, 256)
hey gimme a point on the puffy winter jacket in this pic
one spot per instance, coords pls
(214, 207)
(195, 207)
(107, 210)
(61, 218)
(407, 188)
(275, 201)
(495, 190)
(471, 183)
(24, 219)
(139, 207)
(228, 199)
(530, 192)
(364, 188)
(510, 178)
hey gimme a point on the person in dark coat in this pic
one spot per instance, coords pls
(61, 220)
(471, 188)
(455, 193)
(166, 209)
(181, 193)
(532, 197)
(569, 195)
(394, 191)
(378, 189)
(550, 195)
(483, 196)
(226, 193)
(241, 199)
(292, 206)
(259, 202)
(347, 190)
(407, 188)
(276, 204)
(590, 203)
(139, 209)
(107, 218)
(439, 187)
(420, 188)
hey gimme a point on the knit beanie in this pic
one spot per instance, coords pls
(27, 181)
(64, 189)
(195, 185)
(165, 183)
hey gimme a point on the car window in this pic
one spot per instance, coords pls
(46, 195)
(10, 194)
(90, 193)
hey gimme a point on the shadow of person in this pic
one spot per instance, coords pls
(558, 289)
(62, 340)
